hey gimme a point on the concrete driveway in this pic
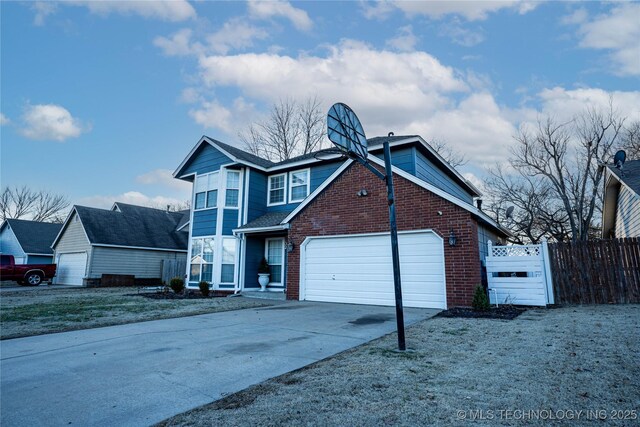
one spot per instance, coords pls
(142, 373)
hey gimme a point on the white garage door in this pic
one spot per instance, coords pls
(71, 269)
(359, 270)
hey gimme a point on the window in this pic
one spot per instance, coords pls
(227, 273)
(275, 258)
(298, 185)
(233, 189)
(276, 189)
(206, 191)
(201, 260)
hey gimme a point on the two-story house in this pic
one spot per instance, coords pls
(322, 223)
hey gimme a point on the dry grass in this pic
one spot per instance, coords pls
(42, 311)
(568, 359)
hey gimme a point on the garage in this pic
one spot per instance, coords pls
(358, 269)
(71, 269)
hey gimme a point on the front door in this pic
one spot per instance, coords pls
(274, 252)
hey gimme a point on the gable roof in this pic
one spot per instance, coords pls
(629, 175)
(35, 237)
(131, 226)
(268, 220)
(375, 144)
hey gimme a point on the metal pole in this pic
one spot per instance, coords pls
(394, 247)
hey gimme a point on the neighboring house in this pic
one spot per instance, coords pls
(28, 241)
(621, 210)
(127, 240)
(320, 220)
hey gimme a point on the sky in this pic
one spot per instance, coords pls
(101, 101)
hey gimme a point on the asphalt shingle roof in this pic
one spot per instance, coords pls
(35, 237)
(631, 178)
(243, 155)
(133, 226)
(267, 220)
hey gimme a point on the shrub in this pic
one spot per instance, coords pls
(204, 288)
(480, 301)
(263, 268)
(177, 284)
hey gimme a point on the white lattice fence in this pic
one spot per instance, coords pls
(519, 275)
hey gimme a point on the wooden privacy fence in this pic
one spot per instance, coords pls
(596, 272)
(172, 268)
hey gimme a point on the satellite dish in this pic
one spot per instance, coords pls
(619, 158)
(509, 213)
(345, 131)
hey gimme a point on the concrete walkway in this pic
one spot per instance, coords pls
(142, 373)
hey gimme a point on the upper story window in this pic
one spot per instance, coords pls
(232, 195)
(206, 191)
(298, 185)
(277, 189)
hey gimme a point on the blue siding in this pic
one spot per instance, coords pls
(403, 158)
(204, 222)
(35, 259)
(428, 172)
(206, 159)
(254, 254)
(229, 221)
(257, 195)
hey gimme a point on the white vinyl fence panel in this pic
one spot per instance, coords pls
(519, 275)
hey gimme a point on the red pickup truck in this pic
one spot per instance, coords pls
(25, 274)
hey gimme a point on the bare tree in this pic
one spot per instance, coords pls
(22, 202)
(631, 140)
(452, 156)
(291, 129)
(556, 182)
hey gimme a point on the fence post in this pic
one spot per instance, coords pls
(547, 273)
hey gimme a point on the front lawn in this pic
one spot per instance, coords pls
(567, 366)
(42, 311)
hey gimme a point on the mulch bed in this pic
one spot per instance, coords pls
(506, 312)
(172, 296)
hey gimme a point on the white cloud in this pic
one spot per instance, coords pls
(470, 10)
(235, 34)
(130, 197)
(50, 122)
(4, 120)
(379, 10)
(404, 41)
(164, 177)
(565, 104)
(42, 9)
(617, 32)
(460, 35)
(164, 10)
(179, 44)
(213, 115)
(269, 9)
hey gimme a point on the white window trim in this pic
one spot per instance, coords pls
(284, 199)
(225, 188)
(215, 253)
(235, 261)
(206, 192)
(308, 171)
(266, 255)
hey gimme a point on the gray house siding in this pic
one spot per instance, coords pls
(484, 235)
(628, 213)
(9, 245)
(73, 238)
(428, 172)
(144, 264)
(204, 222)
(207, 159)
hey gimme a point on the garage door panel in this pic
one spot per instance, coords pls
(71, 269)
(358, 269)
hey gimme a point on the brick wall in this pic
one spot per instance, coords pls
(338, 210)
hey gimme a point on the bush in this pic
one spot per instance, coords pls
(204, 288)
(480, 301)
(263, 268)
(177, 284)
